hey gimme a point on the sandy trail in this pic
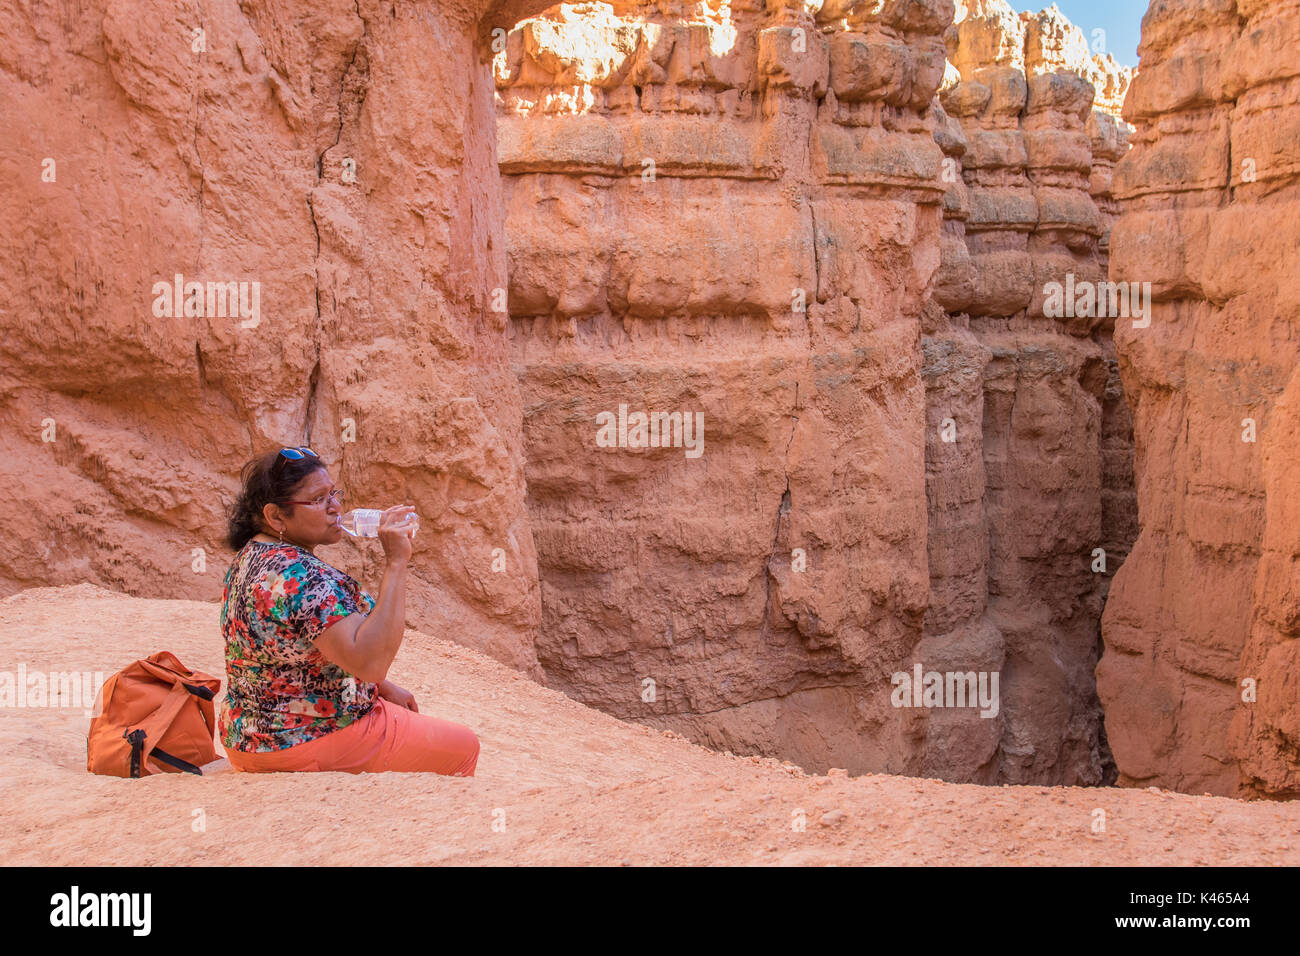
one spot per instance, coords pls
(571, 784)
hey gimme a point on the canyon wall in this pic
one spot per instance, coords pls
(741, 215)
(1202, 664)
(731, 216)
(340, 155)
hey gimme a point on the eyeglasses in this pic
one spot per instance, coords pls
(290, 454)
(336, 495)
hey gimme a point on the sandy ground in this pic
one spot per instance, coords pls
(562, 783)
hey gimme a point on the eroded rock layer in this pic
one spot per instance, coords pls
(741, 215)
(737, 216)
(1202, 660)
(339, 155)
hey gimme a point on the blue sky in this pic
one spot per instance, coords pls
(1121, 19)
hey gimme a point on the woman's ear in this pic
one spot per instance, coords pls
(270, 516)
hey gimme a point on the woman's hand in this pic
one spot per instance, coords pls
(398, 695)
(396, 532)
(364, 645)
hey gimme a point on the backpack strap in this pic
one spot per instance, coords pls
(136, 739)
(199, 691)
(163, 756)
(153, 727)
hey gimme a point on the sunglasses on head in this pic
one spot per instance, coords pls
(291, 454)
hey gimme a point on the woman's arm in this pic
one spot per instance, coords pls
(364, 645)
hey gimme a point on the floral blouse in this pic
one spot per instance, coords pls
(280, 689)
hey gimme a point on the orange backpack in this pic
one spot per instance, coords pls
(155, 710)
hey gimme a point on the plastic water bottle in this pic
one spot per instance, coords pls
(364, 522)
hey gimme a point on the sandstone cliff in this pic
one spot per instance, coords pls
(734, 215)
(1202, 661)
(738, 214)
(339, 156)
(1034, 43)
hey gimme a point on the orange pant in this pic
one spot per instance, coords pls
(387, 738)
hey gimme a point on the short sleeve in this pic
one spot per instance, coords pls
(332, 604)
(314, 599)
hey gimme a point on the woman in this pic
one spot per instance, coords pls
(307, 651)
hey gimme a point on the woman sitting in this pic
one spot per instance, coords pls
(307, 651)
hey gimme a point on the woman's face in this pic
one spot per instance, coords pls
(308, 525)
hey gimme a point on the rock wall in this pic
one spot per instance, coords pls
(733, 215)
(337, 154)
(1202, 663)
(672, 179)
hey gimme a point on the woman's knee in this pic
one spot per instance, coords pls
(471, 748)
(433, 744)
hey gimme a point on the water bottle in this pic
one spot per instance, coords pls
(364, 522)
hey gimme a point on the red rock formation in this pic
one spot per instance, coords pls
(1045, 42)
(1019, 494)
(735, 215)
(340, 156)
(776, 170)
(1053, 43)
(1202, 663)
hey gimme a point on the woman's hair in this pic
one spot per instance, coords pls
(261, 487)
